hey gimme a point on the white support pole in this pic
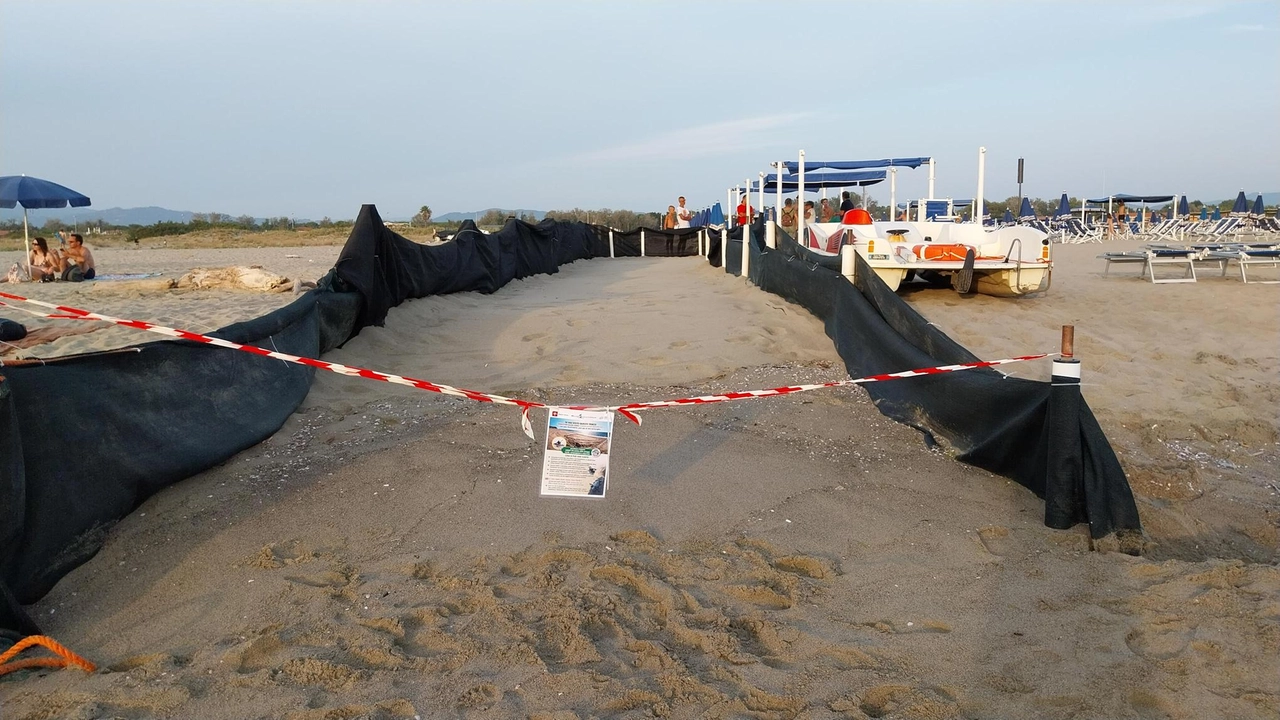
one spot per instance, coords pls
(771, 233)
(760, 205)
(777, 206)
(746, 246)
(728, 208)
(931, 177)
(724, 245)
(893, 193)
(982, 178)
(611, 243)
(641, 242)
(800, 204)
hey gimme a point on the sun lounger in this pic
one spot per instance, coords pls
(1151, 258)
(1246, 258)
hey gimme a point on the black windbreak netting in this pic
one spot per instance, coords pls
(1041, 435)
(150, 415)
(147, 416)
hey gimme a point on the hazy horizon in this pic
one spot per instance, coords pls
(311, 109)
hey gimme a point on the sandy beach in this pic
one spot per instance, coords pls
(387, 555)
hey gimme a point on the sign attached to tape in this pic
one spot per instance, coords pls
(575, 458)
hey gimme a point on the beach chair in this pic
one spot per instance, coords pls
(1151, 258)
(1246, 257)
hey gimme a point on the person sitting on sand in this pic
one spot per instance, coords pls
(45, 265)
(77, 260)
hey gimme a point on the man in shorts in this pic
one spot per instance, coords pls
(77, 259)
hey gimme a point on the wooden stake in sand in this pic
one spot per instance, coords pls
(1068, 341)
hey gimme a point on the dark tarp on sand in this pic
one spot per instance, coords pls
(1041, 435)
(150, 415)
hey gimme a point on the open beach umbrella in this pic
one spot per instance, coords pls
(1183, 210)
(1064, 207)
(1025, 211)
(1259, 208)
(32, 192)
(1241, 205)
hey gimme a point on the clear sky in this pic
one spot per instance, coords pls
(309, 109)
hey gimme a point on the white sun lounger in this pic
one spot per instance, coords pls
(1150, 259)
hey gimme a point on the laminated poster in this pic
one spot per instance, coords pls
(575, 460)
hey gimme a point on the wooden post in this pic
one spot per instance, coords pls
(1068, 341)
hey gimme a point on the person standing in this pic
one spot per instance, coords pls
(789, 215)
(745, 211)
(824, 211)
(683, 215)
(846, 202)
(808, 212)
(669, 220)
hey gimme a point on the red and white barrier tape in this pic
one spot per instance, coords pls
(628, 410)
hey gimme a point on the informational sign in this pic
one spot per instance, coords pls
(575, 459)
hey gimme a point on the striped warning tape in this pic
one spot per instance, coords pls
(628, 410)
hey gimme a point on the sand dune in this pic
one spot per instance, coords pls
(386, 553)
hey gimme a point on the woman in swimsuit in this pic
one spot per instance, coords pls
(45, 265)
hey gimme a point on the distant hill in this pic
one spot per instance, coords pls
(114, 216)
(476, 215)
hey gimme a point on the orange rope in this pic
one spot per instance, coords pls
(65, 658)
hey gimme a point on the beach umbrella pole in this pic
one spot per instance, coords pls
(26, 241)
(1065, 467)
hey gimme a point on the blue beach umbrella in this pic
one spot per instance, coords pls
(1025, 211)
(1064, 207)
(1259, 209)
(1241, 205)
(1217, 214)
(32, 192)
(1204, 213)
(716, 216)
(1008, 216)
(1182, 206)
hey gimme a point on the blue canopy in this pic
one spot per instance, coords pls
(36, 193)
(794, 165)
(1025, 211)
(1241, 204)
(1008, 216)
(1064, 207)
(1204, 213)
(791, 183)
(1217, 213)
(1182, 206)
(1121, 197)
(1259, 208)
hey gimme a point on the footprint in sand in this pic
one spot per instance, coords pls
(533, 336)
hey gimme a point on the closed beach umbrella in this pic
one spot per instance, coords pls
(1064, 207)
(1182, 206)
(1259, 209)
(716, 216)
(1241, 205)
(32, 192)
(1008, 216)
(1204, 213)
(1217, 214)
(1026, 211)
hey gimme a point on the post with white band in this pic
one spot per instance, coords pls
(1064, 467)
(611, 243)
